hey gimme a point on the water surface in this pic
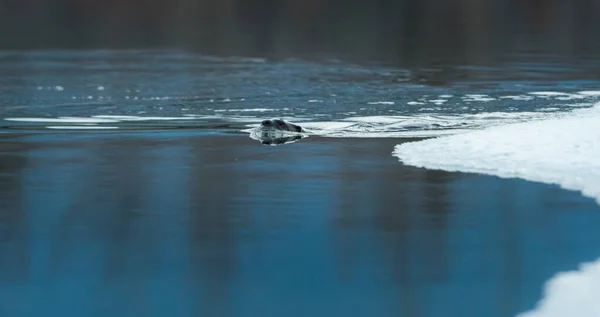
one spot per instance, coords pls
(160, 89)
(129, 187)
(189, 224)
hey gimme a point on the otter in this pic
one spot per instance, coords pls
(277, 131)
(280, 125)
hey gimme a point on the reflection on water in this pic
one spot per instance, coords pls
(190, 224)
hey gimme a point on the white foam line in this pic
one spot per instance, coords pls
(64, 120)
(115, 117)
(137, 118)
(399, 134)
(251, 110)
(570, 97)
(590, 93)
(549, 93)
(520, 98)
(425, 125)
(73, 127)
(381, 102)
(558, 95)
(377, 119)
(477, 97)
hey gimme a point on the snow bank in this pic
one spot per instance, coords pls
(575, 293)
(563, 151)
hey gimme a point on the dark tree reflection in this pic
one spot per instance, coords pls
(184, 223)
(407, 31)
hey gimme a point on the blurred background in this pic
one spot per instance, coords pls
(399, 31)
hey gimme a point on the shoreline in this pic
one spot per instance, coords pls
(561, 151)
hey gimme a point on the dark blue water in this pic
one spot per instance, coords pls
(195, 224)
(127, 188)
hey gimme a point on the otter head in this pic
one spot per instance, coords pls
(280, 125)
(277, 131)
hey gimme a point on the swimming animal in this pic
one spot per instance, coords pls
(277, 131)
(280, 125)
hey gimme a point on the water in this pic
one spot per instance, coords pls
(190, 224)
(130, 186)
(167, 89)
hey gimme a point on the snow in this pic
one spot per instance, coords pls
(563, 151)
(573, 293)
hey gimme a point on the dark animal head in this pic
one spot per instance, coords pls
(278, 124)
(275, 132)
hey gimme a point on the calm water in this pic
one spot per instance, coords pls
(127, 188)
(193, 224)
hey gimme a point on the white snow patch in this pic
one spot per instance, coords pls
(563, 151)
(573, 293)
